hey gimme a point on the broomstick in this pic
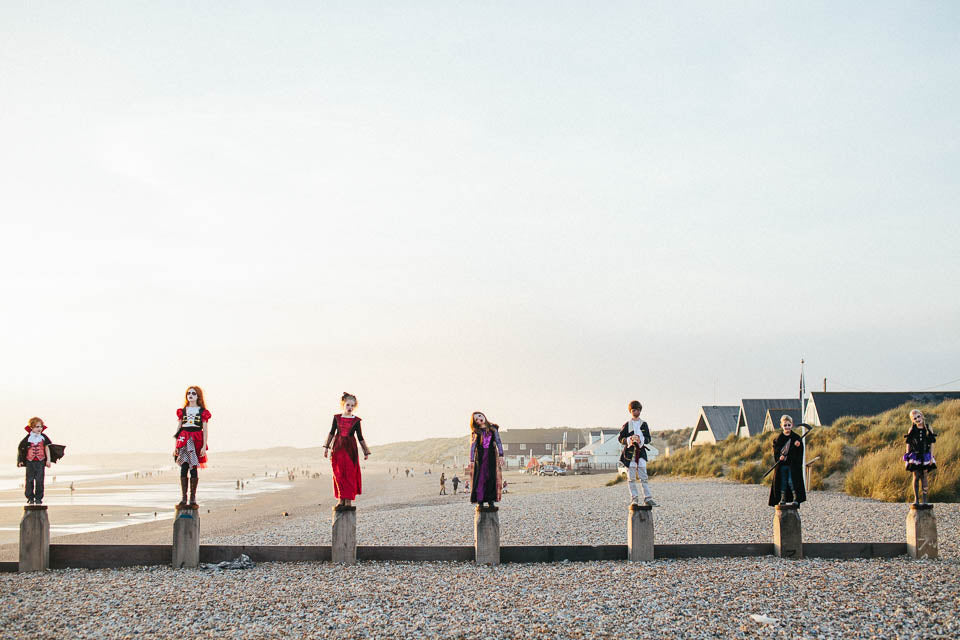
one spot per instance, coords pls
(786, 449)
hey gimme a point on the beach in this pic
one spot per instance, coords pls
(667, 598)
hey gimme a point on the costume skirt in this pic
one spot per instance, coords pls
(346, 469)
(487, 478)
(187, 454)
(919, 462)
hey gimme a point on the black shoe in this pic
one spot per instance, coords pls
(30, 501)
(38, 502)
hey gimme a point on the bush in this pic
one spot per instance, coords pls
(880, 474)
(617, 480)
(702, 461)
(748, 473)
(867, 449)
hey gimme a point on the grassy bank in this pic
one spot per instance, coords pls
(860, 455)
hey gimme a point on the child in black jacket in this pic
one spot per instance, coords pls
(34, 453)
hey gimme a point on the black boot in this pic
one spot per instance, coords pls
(193, 492)
(183, 490)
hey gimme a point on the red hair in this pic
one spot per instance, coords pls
(200, 402)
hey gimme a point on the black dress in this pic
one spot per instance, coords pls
(919, 457)
(795, 462)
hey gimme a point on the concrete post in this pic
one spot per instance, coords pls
(922, 532)
(787, 539)
(344, 548)
(186, 538)
(640, 533)
(486, 535)
(34, 538)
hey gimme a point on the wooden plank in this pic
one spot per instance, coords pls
(421, 554)
(213, 553)
(99, 556)
(9, 567)
(559, 553)
(105, 556)
(850, 550)
(712, 550)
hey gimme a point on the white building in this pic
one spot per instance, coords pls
(603, 451)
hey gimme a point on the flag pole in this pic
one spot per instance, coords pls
(803, 429)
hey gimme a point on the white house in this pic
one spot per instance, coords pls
(603, 451)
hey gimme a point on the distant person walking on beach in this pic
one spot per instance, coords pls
(455, 482)
(341, 447)
(919, 456)
(190, 451)
(634, 436)
(443, 484)
(485, 460)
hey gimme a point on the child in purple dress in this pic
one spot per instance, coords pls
(919, 456)
(485, 460)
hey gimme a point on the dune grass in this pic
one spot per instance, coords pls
(863, 452)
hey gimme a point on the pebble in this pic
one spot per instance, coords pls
(691, 511)
(690, 598)
(697, 598)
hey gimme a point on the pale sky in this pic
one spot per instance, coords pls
(541, 210)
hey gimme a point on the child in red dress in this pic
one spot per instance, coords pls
(190, 451)
(341, 447)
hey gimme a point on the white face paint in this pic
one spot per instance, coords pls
(480, 419)
(192, 397)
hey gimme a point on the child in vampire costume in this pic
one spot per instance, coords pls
(788, 487)
(486, 456)
(919, 456)
(341, 446)
(36, 452)
(190, 451)
(634, 436)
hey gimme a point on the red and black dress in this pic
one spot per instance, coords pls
(344, 457)
(190, 437)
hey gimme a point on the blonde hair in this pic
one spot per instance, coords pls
(786, 418)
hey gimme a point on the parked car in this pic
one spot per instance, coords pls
(551, 470)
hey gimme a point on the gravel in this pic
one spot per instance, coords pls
(703, 511)
(695, 598)
(679, 598)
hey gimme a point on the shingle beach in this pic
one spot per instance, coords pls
(699, 598)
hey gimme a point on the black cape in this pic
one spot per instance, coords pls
(795, 461)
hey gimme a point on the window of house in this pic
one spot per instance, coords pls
(547, 446)
(522, 446)
(506, 446)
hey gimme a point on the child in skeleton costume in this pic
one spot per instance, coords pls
(919, 456)
(486, 459)
(788, 487)
(341, 447)
(634, 436)
(190, 450)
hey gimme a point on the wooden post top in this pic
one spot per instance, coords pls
(34, 507)
(641, 507)
(186, 508)
(483, 509)
(343, 507)
(788, 507)
(921, 507)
